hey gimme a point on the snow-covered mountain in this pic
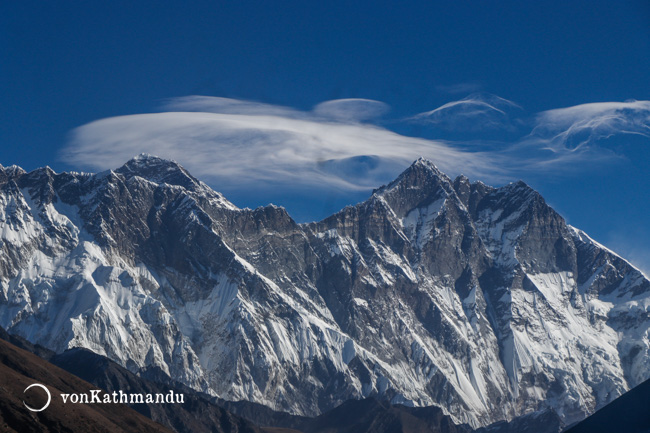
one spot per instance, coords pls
(480, 300)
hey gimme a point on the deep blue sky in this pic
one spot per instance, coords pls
(64, 64)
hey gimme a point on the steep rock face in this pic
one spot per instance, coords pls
(480, 300)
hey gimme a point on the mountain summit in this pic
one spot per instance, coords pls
(434, 291)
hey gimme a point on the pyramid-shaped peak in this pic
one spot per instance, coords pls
(417, 186)
(43, 171)
(144, 160)
(12, 170)
(158, 170)
(425, 164)
(422, 172)
(41, 174)
(519, 188)
(515, 197)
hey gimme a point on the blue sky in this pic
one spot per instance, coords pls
(309, 105)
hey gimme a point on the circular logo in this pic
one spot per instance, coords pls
(49, 397)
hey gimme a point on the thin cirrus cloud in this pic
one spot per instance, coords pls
(476, 113)
(235, 144)
(351, 110)
(459, 88)
(586, 124)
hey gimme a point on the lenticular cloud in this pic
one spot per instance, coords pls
(250, 143)
(242, 144)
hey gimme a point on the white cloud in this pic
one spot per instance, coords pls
(342, 110)
(585, 124)
(239, 144)
(351, 110)
(281, 148)
(215, 104)
(477, 112)
(459, 88)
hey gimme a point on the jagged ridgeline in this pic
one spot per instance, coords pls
(480, 300)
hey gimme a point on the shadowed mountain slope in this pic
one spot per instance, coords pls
(19, 369)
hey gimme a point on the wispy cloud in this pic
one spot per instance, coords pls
(215, 104)
(476, 113)
(459, 88)
(351, 110)
(586, 124)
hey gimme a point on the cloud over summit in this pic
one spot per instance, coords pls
(229, 142)
(317, 161)
(244, 144)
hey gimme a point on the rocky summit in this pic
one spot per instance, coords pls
(479, 300)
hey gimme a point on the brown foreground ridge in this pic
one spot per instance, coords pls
(19, 369)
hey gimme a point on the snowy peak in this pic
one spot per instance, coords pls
(158, 170)
(512, 197)
(420, 173)
(478, 299)
(418, 186)
(167, 172)
(11, 172)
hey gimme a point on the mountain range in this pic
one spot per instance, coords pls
(481, 301)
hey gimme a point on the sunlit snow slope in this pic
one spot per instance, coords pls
(480, 300)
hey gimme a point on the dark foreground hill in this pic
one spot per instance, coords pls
(196, 414)
(19, 369)
(199, 413)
